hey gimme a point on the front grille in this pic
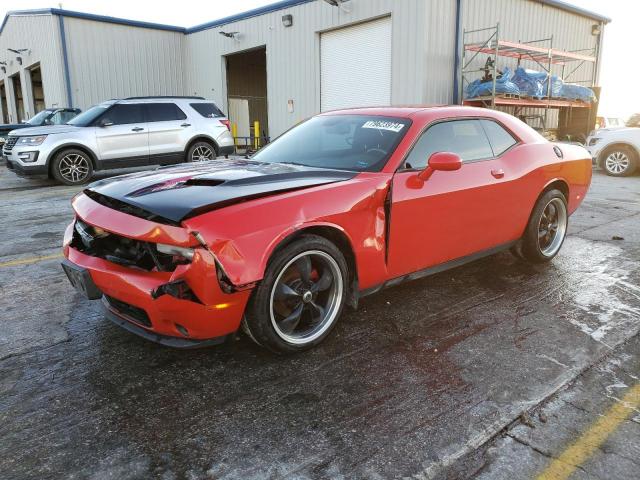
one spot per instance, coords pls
(10, 143)
(135, 314)
(124, 251)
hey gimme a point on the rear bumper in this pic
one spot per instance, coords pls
(169, 321)
(228, 150)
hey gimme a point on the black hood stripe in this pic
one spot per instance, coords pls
(170, 195)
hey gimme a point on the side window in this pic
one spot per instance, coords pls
(61, 117)
(124, 114)
(207, 110)
(465, 138)
(164, 112)
(500, 139)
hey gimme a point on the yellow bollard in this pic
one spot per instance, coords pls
(256, 134)
(234, 133)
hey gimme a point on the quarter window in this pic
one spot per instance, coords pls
(207, 110)
(499, 138)
(164, 112)
(465, 138)
(124, 114)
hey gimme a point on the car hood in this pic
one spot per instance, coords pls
(45, 130)
(611, 130)
(12, 126)
(180, 192)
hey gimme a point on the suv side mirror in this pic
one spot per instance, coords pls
(440, 161)
(104, 122)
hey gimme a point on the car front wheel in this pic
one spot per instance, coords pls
(301, 297)
(620, 161)
(72, 167)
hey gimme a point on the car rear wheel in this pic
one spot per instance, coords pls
(620, 161)
(201, 152)
(547, 228)
(301, 297)
(72, 167)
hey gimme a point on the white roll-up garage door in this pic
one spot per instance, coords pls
(355, 66)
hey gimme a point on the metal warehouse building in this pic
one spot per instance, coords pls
(278, 64)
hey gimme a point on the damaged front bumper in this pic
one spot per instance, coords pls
(184, 308)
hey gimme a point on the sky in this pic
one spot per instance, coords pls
(620, 67)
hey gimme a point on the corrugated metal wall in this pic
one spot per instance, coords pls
(115, 61)
(108, 60)
(422, 51)
(528, 20)
(39, 34)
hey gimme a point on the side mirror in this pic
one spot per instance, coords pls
(441, 161)
(105, 122)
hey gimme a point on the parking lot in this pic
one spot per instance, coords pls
(493, 369)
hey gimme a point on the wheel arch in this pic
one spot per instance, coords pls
(202, 138)
(71, 146)
(605, 150)
(335, 235)
(559, 184)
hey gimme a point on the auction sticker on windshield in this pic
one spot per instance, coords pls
(384, 125)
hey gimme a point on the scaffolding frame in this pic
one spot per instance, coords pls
(540, 51)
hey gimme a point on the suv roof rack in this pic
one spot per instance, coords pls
(164, 96)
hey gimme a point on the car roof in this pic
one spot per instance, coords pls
(413, 111)
(425, 114)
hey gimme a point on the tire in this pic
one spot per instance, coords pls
(201, 152)
(619, 161)
(310, 277)
(72, 167)
(547, 228)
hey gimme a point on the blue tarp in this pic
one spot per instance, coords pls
(577, 92)
(531, 83)
(478, 88)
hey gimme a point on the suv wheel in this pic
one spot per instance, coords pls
(620, 161)
(72, 167)
(201, 152)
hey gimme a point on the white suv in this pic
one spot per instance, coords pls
(616, 150)
(132, 132)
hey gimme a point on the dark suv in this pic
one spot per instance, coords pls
(48, 116)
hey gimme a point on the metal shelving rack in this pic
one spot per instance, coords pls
(540, 51)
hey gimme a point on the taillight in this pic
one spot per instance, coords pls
(226, 123)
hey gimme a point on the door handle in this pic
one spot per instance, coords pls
(498, 173)
(137, 129)
(185, 125)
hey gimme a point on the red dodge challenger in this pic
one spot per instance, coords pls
(340, 206)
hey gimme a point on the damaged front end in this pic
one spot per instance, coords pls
(161, 281)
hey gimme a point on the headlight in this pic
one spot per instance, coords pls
(31, 141)
(173, 250)
(593, 141)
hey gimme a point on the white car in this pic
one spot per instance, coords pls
(616, 150)
(131, 132)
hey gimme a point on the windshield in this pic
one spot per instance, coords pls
(345, 142)
(88, 116)
(39, 118)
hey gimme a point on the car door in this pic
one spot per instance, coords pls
(453, 214)
(122, 136)
(169, 132)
